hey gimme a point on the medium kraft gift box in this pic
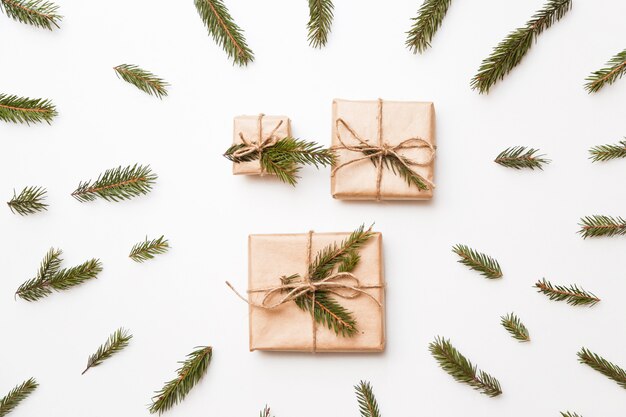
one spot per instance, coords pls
(289, 328)
(256, 130)
(406, 128)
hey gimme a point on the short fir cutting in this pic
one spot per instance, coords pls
(39, 13)
(425, 25)
(515, 327)
(608, 152)
(29, 201)
(16, 396)
(117, 184)
(614, 70)
(147, 249)
(320, 22)
(142, 79)
(608, 369)
(368, 406)
(519, 157)
(16, 109)
(597, 225)
(572, 294)
(486, 265)
(114, 344)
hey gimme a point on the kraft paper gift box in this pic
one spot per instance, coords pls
(403, 129)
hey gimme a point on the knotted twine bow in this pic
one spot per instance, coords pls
(260, 144)
(382, 149)
(331, 284)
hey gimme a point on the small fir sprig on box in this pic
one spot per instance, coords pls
(428, 20)
(519, 157)
(117, 184)
(614, 70)
(572, 294)
(16, 109)
(515, 327)
(486, 265)
(114, 344)
(16, 396)
(29, 201)
(39, 13)
(597, 362)
(608, 152)
(368, 406)
(147, 249)
(598, 225)
(142, 79)
(320, 22)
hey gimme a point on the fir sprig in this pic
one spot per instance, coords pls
(615, 69)
(510, 51)
(115, 343)
(265, 412)
(608, 152)
(38, 13)
(569, 414)
(399, 165)
(519, 157)
(461, 369)
(147, 249)
(486, 265)
(16, 396)
(224, 30)
(515, 327)
(573, 294)
(320, 22)
(598, 225)
(368, 406)
(189, 374)
(29, 201)
(603, 366)
(26, 110)
(117, 184)
(428, 20)
(142, 79)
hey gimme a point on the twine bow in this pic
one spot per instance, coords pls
(260, 144)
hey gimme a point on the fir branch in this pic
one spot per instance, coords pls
(608, 152)
(461, 369)
(510, 51)
(598, 225)
(29, 201)
(117, 184)
(142, 79)
(189, 374)
(16, 396)
(399, 165)
(368, 406)
(145, 250)
(320, 22)
(603, 366)
(224, 30)
(26, 110)
(515, 327)
(39, 13)
(265, 412)
(569, 414)
(573, 294)
(329, 313)
(616, 68)
(486, 265)
(115, 343)
(428, 20)
(519, 157)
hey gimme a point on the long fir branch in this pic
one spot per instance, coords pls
(519, 157)
(515, 327)
(428, 20)
(38, 13)
(320, 22)
(29, 201)
(486, 265)
(598, 225)
(608, 152)
(142, 79)
(614, 70)
(573, 294)
(510, 51)
(16, 109)
(16, 396)
(114, 344)
(117, 184)
(147, 249)
(368, 406)
(603, 366)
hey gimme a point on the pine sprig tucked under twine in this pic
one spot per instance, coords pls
(145, 250)
(29, 201)
(368, 406)
(117, 184)
(189, 374)
(26, 110)
(519, 157)
(573, 294)
(486, 265)
(142, 79)
(265, 412)
(598, 225)
(510, 51)
(224, 30)
(569, 414)
(428, 20)
(38, 13)
(608, 152)
(16, 396)
(114, 344)
(461, 369)
(320, 22)
(515, 327)
(603, 366)
(615, 69)
(399, 165)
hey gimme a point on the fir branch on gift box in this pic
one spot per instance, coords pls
(597, 225)
(189, 374)
(147, 249)
(399, 165)
(224, 30)
(428, 20)
(265, 412)
(51, 277)
(26, 110)
(461, 369)
(615, 69)
(142, 79)
(603, 366)
(117, 184)
(515, 327)
(486, 265)
(608, 152)
(115, 343)
(569, 414)
(573, 294)
(29, 201)
(519, 157)
(320, 22)
(368, 406)
(510, 51)
(39, 13)
(16, 396)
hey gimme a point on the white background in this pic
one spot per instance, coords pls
(527, 220)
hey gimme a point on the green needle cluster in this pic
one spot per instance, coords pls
(425, 25)
(142, 79)
(29, 201)
(16, 396)
(114, 344)
(320, 22)
(17, 109)
(486, 265)
(366, 399)
(39, 13)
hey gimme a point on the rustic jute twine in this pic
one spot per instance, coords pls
(260, 144)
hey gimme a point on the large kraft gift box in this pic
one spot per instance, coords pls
(289, 328)
(405, 128)
(255, 130)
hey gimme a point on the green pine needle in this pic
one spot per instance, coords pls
(569, 414)
(603, 366)
(461, 369)
(510, 51)
(117, 184)
(515, 327)
(142, 79)
(189, 374)
(115, 343)
(598, 225)
(519, 157)
(608, 152)
(486, 265)
(16, 396)
(145, 250)
(573, 294)
(320, 22)
(38, 13)
(265, 412)
(29, 201)
(224, 30)
(366, 399)
(16, 109)
(428, 20)
(616, 68)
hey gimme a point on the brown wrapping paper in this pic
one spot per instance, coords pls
(287, 327)
(401, 120)
(249, 127)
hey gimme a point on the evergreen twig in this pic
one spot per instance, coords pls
(16, 396)
(608, 152)
(29, 201)
(142, 79)
(428, 20)
(515, 327)
(399, 165)
(520, 157)
(603, 366)
(486, 265)
(573, 294)
(598, 225)
(39, 13)
(368, 406)
(615, 69)
(115, 343)
(569, 414)
(117, 184)
(265, 412)
(26, 110)
(145, 250)
(320, 22)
